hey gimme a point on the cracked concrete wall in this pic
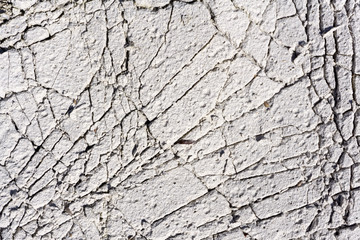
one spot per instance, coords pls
(213, 119)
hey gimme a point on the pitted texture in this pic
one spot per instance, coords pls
(180, 119)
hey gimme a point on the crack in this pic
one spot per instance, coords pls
(102, 147)
(161, 46)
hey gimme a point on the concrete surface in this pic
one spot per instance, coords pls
(159, 119)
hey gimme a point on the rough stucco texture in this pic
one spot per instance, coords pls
(159, 119)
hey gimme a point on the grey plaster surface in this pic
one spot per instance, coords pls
(184, 119)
